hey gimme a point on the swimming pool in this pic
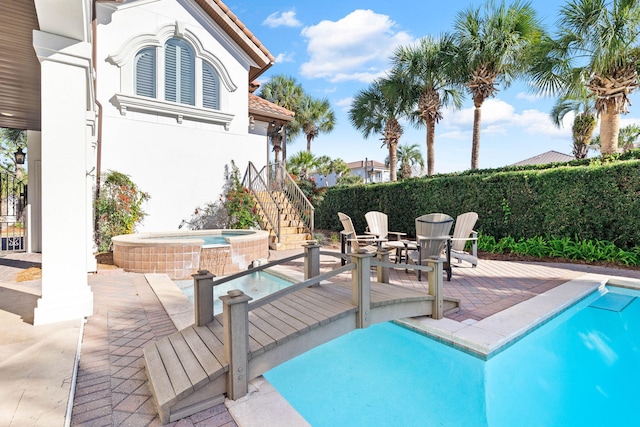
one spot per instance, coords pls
(581, 368)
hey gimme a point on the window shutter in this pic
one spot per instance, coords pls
(170, 79)
(187, 75)
(145, 72)
(210, 97)
(179, 71)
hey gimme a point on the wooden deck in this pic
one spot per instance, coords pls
(188, 371)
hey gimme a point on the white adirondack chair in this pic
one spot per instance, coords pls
(378, 225)
(463, 232)
(350, 241)
(432, 238)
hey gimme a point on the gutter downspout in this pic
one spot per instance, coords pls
(94, 56)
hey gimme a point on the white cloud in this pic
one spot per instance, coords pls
(624, 121)
(500, 118)
(282, 19)
(344, 103)
(354, 48)
(493, 111)
(495, 130)
(535, 122)
(284, 57)
(531, 97)
(459, 135)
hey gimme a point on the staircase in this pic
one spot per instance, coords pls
(283, 209)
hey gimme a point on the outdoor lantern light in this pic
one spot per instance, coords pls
(19, 156)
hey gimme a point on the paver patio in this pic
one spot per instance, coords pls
(111, 386)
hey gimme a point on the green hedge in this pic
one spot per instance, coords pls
(597, 201)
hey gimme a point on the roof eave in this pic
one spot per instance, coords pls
(239, 32)
(269, 115)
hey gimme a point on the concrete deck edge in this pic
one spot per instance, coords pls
(491, 334)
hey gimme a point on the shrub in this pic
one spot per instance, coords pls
(238, 201)
(591, 201)
(235, 208)
(118, 208)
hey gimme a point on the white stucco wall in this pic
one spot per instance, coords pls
(181, 165)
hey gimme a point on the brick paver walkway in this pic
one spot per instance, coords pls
(112, 386)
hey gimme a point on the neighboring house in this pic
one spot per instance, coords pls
(370, 171)
(545, 158)
(373, 172)
(155, 89)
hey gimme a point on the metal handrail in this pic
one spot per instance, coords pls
(281, 180)
(256, 183)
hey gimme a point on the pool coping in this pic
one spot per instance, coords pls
(496, 332)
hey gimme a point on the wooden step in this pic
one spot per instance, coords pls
(186, 371)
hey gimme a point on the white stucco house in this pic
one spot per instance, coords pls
(371, 171)
(155, 89)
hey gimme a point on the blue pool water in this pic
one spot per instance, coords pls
(580, 369)
(256, 285)
(209, 239)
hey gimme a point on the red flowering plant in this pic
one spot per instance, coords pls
(238, 201)
(118, 208)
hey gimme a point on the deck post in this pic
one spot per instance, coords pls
(311, 260)
(203, 297)
(383, 272)
(435, 288)
(235, 314)
(361, 287)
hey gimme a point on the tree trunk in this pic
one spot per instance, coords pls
(393, 160)
(475, 146)
(309, 138)
(609, 130)
(276, 140)
(431, 129)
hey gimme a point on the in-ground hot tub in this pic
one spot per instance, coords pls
(179, 254)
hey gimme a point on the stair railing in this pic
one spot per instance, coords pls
(258, 184)
(280, 179)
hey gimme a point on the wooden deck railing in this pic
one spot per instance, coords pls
(236, 304)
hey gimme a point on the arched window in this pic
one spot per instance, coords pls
(210, 87)
(179, 72)
(145, 72)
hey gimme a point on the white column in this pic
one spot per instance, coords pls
(66, 96)
(34, 161)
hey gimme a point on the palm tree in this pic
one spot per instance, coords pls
(323, 167)
(596, 47)
(284, 91)
(314, 116)
(492, 50)
(627, 138)
(10, 141)
(408, 156)
(300, 163)
(584, 122)
(426, 72)
(377, 109)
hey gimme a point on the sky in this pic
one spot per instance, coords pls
(335, 49)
